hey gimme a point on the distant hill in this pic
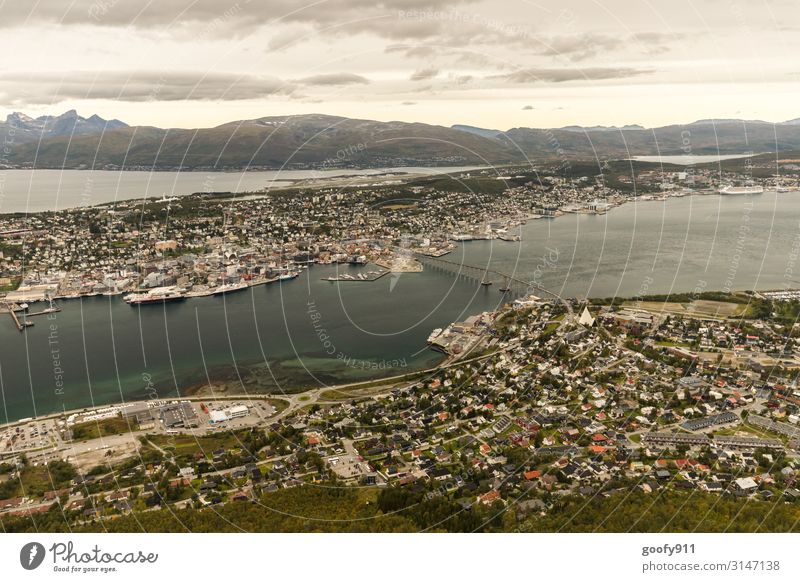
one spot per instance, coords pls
(275, 142)
(323, 141)
(491, 133)
(701, 137)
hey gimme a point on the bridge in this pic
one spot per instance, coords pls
(508, 284)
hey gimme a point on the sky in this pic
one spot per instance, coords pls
(495, 64)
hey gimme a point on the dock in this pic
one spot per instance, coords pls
(44, 312)
(12, 309)
(17, 322)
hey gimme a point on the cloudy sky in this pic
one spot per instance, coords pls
(490, 63)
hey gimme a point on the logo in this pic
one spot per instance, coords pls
(31, 555)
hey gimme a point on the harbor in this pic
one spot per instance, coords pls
(19, 313)
(249, 337)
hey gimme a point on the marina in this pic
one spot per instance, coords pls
(14, 310)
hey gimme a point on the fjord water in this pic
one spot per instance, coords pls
(694, 243)
(310, 332)
(304, 332)
(54, 190)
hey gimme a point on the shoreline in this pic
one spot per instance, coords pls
(190, 391)
(197, 396)
(523, 221)
(197, 392)
(283, 176)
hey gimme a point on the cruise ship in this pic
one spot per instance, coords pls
(729, 190)
(160, 295)
(229, 288)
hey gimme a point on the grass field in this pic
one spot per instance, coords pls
(189, 445)
(92, 430)
(700, 308)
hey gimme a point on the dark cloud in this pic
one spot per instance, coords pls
(334, 79)
(561, 75)
(424, 74)
(45, 88)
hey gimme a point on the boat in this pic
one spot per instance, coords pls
(732, 190)
(486, 283)
(229, 288)
(154, 296)
(289, 276)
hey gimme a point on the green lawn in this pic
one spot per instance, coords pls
(188, 445)
(92, 430)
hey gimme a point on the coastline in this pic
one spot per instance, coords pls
(194, 393)
(195, 390)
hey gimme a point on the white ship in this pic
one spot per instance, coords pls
(731, 190)
(159, 295)
(230, 288)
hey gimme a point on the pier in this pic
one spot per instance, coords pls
(12, 309)
(16, 319)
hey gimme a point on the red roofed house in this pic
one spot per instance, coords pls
(490, 497)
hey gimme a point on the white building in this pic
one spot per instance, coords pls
(237, 411)
(217, 416)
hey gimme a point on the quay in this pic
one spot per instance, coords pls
(17, 322)
(12, 309)
(44, 312)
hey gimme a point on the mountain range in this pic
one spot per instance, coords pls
(323, 141)
(22, 128)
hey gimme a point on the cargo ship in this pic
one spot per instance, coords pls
(732, 190)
